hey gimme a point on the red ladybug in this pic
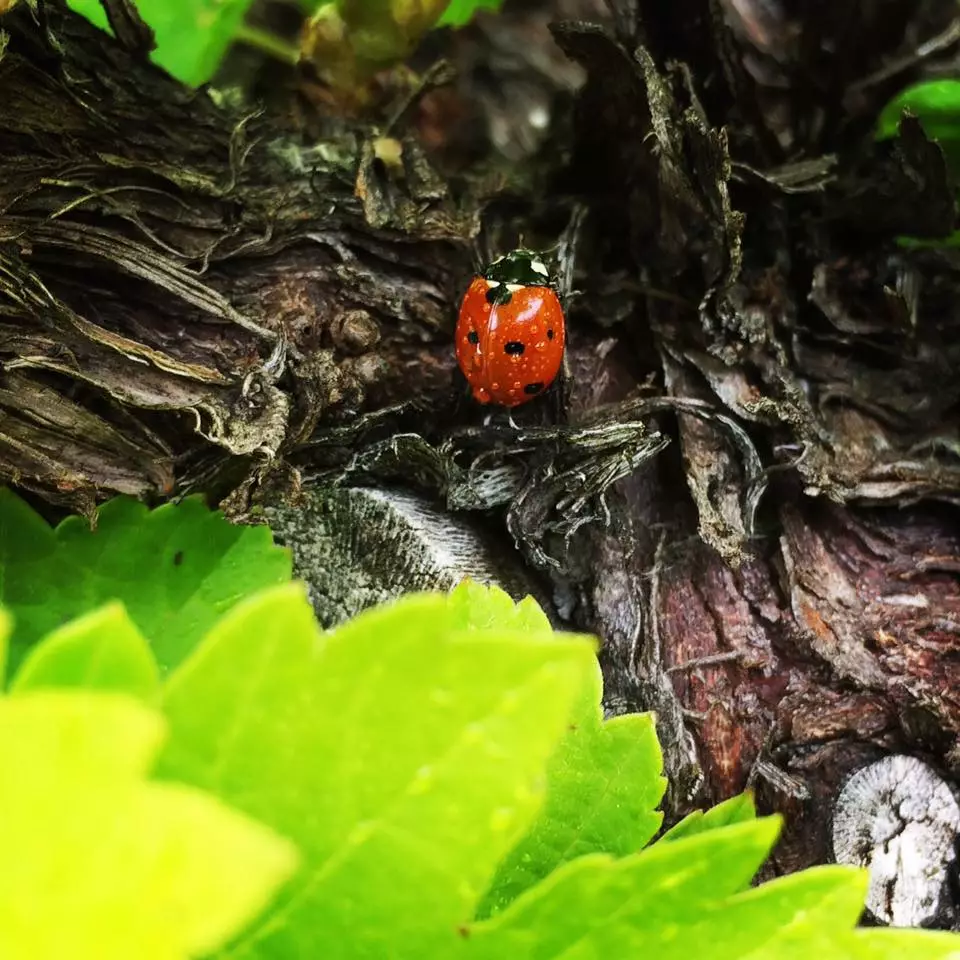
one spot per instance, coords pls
(511, 331)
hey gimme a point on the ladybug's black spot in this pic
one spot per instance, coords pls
(550, 334)
(499, 295)
(513, 347)
(473, 336)
(533, 388)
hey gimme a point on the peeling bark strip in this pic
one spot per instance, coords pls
(176, 278)
(900, 820)
(732, 241)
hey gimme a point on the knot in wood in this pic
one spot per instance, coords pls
(899, 819)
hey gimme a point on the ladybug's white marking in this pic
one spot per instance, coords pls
(537, 266)
(493, 284)
(514, 287)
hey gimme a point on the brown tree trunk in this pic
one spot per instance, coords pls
(747, 486)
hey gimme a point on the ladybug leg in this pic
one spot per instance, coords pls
(495, 415)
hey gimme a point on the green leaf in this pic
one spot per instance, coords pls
(738, 809)
(6, 628)
(460, 12)
(93, 11)
(78, 733)
(917, 243)
(646, 904)
(192, 36)
(604, 785)
(404, 756)
(794, 910)
(936, 103)
(176, 569)
(457, 14)
(893, 944)
(478, 607)
(102, 650)
(97, 863)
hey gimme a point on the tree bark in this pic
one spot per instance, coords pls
(746, 487)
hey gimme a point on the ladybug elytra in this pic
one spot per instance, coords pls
(511, 332)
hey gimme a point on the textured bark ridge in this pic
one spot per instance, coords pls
(748, 485)
(186, 292)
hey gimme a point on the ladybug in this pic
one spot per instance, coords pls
(511, 331)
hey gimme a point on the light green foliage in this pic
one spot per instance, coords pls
(460, 12)
(604, 786)
(6, 628)
(473, 606)
(441, 764)
(823, 898)
(603, 779)
(96, 863)
(192, 36)
(878, 945)
(648, 904)
(935, 102)
(738, 809)
(102, 650)
(404, 756)
(176, 569)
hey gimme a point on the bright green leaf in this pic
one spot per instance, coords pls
(604, 785)
(457, 14)
(478, 607)
(460, 12)
(102, 650)
(176, 569)
(93, 11)
(97, 863)
(403, 756)
(6, 628)
(792, 910)
(101, 735)
(192, 36)
(604, 780)
(916, 243)
(600, 907)
(935, 102)
(737, 809)
(875, 944)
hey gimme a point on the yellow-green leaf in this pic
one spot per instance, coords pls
(102, 650)
(97, 863)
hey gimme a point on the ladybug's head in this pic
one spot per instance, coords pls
(522, 267)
